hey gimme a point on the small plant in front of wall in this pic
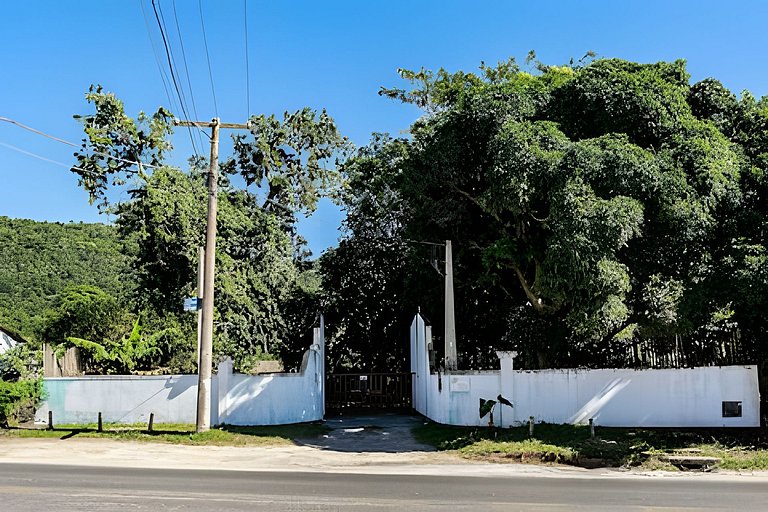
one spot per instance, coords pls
(487, 406)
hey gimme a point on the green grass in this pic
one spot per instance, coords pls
(740, 449)
(226, 435)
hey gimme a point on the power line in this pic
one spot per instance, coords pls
(247, 70)
(186, 68)
(173, 75)
(208, 57)
(33, 130)
(45, 159)
(68, 143)
(155, 53)
(172, 64)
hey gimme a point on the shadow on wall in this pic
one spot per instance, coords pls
(275, 398)
(178, 386)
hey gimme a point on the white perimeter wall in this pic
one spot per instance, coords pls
(269, 399)
(120, 399)
(273, 399)
(690, 397)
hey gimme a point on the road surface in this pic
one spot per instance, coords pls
(58, 488)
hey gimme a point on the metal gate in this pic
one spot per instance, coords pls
(374, 390)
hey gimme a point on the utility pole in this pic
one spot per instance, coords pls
(206, 336)
(450, 316)
(451, 359)
(200, 294)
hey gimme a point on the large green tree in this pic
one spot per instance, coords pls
(588, 204)
(364, 277)
(265, 289)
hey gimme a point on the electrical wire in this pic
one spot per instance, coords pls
(173, 75)
(172, 64)
(33, 130)
(45, 159)
(186, 69)
(208, 57)
(247, 70)
(68, 143)
(155, 52)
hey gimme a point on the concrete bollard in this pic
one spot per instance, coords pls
(530, 426)
(151, 421)
(99, 427)
(50, 420)
(591, 428)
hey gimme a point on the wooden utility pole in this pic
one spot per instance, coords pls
(206, 336)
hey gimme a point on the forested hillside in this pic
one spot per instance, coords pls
(39, 260)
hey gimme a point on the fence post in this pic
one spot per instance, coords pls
(50, 420)
(591, 428)
(99, 428)
(530, 426)
(151, 421)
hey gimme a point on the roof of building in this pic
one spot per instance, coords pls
(9, 339)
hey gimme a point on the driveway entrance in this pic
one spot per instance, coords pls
(370, 431)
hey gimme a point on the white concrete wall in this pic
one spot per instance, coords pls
(120, 399)
(685, 397)
(270, 399)
(689, 397)
(276, 398)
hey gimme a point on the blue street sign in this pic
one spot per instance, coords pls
(192, 304)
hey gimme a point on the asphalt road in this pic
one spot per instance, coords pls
(29, 487)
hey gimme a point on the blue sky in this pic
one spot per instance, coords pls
(330, 54)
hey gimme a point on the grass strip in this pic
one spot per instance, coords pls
(225, 435)
(738, 449)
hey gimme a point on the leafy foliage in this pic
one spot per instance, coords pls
(363, 278)
(19, 363)
(256, 280)
(589, 206)
(264, 287)
(90, 319)
(16, 397)
(40, 260)
(114, 144)
(292, 159)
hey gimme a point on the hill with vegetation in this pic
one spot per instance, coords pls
(39, 260)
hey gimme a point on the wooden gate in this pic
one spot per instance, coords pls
(374, 390)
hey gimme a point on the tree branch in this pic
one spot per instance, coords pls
(532, 298)
(477, 203)
(631, 319)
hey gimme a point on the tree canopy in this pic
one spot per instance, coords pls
(266, 289)
(596, 210)
(590, 206)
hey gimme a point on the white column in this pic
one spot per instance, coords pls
(507, 386)
(319, 342)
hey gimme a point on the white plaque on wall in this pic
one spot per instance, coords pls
(459, 384)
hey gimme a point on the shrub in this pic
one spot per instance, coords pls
(17, 399)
